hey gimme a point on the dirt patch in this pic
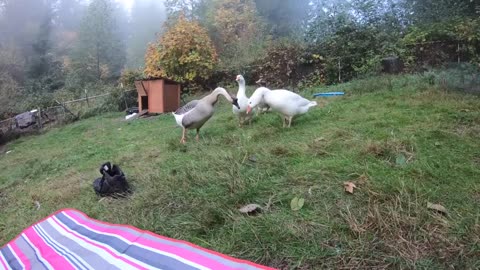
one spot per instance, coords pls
(390, 151)
(467, 130)
(280, 151)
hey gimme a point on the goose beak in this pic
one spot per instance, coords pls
(249, 109)
(235, 102)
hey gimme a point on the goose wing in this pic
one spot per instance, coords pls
(196, 117)
(187, 107)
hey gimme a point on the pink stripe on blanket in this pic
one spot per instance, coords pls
(3, 261)
(185, 254)
(55, 259)
(21, 256)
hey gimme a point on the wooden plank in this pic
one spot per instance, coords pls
(141, 88)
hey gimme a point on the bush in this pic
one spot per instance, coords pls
(463, 77)
(128, 78)
(184, 53)
(290, 64)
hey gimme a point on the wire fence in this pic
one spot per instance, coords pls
(40, 118)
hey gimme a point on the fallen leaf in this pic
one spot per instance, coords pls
(250, 208)
(349, 186)
(437, 144)
(401, 160)
(297, 203)
(437, 207)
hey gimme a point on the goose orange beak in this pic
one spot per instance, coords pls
(249, 109)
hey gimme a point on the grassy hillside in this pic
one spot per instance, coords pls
(401, 141)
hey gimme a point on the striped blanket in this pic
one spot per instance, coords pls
(69, 239)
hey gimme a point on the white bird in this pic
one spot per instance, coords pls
(241, 112)
(283, 101)
(196, 113)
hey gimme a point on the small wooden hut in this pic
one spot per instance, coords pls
(158, 95)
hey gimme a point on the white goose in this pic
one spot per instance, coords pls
(285, 102)
(242, 102)
(196, 113)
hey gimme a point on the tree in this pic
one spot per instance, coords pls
(147, 17)
(44, 72)
(184, 53)
(237, 32)
(100, 50)
(284, 18)
(191, 9)
(21, 27)
(68, 14)
(426, 12)
(11, 73)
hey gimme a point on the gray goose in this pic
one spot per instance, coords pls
(196, 113)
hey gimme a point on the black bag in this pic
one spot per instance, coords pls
(113, 181)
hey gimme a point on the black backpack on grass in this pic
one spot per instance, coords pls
(112, 182)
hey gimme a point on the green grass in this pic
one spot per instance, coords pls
(193, 192)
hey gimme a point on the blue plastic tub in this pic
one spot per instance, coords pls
(329, 94)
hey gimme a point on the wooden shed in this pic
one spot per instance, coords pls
(158, 95)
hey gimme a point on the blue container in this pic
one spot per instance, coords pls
(329, 94)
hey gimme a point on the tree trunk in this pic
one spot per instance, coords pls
(99, 75)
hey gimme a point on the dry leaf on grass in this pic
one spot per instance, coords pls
(437, 207)
(250, 208)
(349, 186)
(297, 203)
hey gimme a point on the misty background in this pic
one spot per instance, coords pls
(57, 49)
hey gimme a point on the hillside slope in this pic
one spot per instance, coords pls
(402, 147)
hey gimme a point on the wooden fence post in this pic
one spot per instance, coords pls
(125, 100)
(86, 98)
(39, 115)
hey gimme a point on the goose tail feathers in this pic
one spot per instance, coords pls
(178, 118)
(312, 104)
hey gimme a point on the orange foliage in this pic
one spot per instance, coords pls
(184, 53)
(152, 62)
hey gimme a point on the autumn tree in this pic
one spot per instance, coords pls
(184, 53)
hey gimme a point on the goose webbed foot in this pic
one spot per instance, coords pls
(183, 140)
